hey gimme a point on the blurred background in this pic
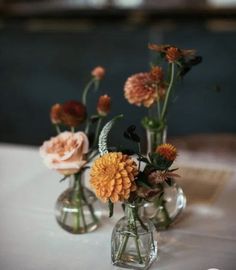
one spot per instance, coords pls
(48, 49)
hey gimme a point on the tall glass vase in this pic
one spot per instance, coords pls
(132, 243)
(155, 137)
(75, 208)
(167, 206)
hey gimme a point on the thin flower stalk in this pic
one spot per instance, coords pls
(86, 89)
(164, 109)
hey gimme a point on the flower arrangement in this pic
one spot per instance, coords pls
(72, 149)
(154, 88)
(118, 177)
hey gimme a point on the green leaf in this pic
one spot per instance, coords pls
(111, 208)
(64, 178)
(143, 159)
(102, 141)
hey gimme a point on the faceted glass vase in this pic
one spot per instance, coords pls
(163, 211)
(76, 209)
(132, 243)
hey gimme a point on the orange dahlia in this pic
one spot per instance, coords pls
(140, 89)
(168, 151)
(112, 176)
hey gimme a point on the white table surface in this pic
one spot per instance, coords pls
(30, 238)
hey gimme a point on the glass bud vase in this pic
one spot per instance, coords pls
(166, 207)
(75, 208)
(132, 243)
(155, 137)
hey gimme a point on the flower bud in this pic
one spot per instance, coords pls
(98, 72)
(56, 114)
(173, 54)
(104, 105)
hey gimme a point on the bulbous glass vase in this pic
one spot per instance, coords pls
(132, 243)
(166, 207)
(77, 208)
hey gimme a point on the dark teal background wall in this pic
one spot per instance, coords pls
(43, 67)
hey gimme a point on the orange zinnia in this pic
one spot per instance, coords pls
(168, 151)
(112, 176)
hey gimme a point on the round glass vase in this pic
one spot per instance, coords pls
(165, 208)
(75, 208)
(132, 242)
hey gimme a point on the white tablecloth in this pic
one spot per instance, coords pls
(30, 238)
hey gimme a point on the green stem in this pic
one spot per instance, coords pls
(164, 109)
(58, 130)
(79, 192)
(90, 207)
(161, 204)
(158, 104)
(64, 217)
(139, 151)
(72, 129)
(80, 201)
(158, 109)
(122, 247)
(97, 131)
(133, 227)
(138, 249)
(167, 221)
(87, 127)
(86, 89)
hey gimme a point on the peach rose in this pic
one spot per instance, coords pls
(65, 152)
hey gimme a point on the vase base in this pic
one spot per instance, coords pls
(130, 261)
(81, 230)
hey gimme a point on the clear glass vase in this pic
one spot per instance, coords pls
(167, 206)
(155, 137)
(76, 210)
(132, 243)
(164, 209)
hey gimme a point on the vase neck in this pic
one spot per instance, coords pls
(155, 138)
(133, 211)
(77, 181)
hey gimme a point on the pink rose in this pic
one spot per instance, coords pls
(65, 152)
